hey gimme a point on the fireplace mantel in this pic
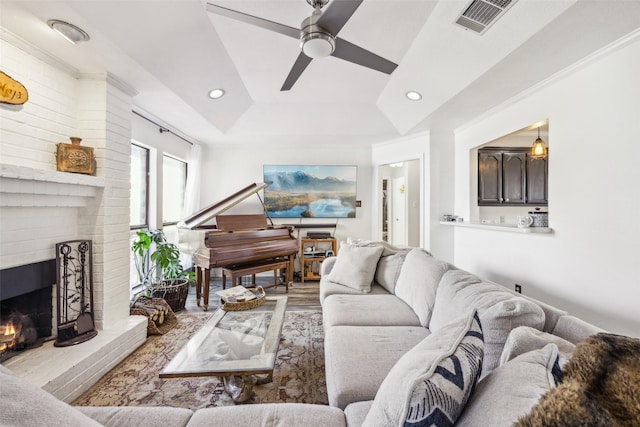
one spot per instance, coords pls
(22, 186)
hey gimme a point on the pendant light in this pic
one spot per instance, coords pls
(538, 150)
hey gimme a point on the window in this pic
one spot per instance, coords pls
(174, 180)
(139, 207)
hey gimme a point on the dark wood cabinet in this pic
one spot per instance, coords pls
(514, 178)
(510, 176)
(537, 181)
(489, 177)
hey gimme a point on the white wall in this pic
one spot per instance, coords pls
(228, 168)
(400, 150)
(38, 211)
(590, 264)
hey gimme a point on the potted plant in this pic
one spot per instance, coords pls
(159, 269)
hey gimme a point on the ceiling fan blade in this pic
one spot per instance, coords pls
(298, 67)
(254, 20)
(337, 14)
(352, 53)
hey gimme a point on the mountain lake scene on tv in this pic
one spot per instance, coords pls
(310, 191)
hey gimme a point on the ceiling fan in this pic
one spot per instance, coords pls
(318, 36)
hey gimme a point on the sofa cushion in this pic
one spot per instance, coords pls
(372, 310)
(388, 248)
(355, 266)
(388, 271)
(269, 414)
(524, 339)
(139, 416)
(20, 399)
(418, 282)
(432, 382)
(358, 358)
(574, 329)
(499, 310)
(328, 288)
(356, 412)
(512, 389)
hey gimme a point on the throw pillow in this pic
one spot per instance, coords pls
(418, 281)
(388, 271)
(432, 382)
(355, 266)
(512, 389)
(524, 339)
(499, 310)
(600, 387)
(389, 249)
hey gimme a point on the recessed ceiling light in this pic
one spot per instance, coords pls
(216, 93)
(70, 32)
(413, 95)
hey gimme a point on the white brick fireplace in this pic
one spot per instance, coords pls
(40, 206)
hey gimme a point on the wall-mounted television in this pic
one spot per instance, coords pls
(310, 191)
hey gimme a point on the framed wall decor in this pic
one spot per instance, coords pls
(310, 191)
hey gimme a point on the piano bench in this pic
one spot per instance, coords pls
(238, 271)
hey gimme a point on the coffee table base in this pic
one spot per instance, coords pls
(240, 387)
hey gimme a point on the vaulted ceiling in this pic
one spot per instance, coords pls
(174, 51)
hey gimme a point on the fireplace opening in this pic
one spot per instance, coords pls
(26, 307)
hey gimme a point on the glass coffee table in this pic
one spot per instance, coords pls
(239, 346)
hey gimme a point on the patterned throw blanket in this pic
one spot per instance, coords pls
(600, 387)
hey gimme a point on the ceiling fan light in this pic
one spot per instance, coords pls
(317, 45)
(70, 32)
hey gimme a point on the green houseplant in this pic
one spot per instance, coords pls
(160, 272)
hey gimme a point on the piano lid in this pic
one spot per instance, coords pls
(217, 208)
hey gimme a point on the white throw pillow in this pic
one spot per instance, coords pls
(388, 271)
(355, 266)
(524, 339)
(432, 382)
(389, 249)
(511, 390)
(418, 282)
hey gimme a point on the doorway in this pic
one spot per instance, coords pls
(400, 203)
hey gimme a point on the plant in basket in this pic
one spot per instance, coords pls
(159, 269)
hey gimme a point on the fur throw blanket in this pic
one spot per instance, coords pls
(600, 387)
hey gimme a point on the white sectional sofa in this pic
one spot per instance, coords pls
(397, 309)
(25, 405)
(409, 340)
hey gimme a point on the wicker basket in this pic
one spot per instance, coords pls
(173, 291)
(247, 305)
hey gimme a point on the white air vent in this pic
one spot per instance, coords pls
(481, 14)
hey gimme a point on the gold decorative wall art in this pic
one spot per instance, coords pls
(12, 91)
(74, 158)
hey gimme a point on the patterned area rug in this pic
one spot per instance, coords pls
(298, 376)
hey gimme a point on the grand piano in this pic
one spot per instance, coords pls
(235, 240)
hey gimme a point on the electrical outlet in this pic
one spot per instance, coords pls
(518, 288)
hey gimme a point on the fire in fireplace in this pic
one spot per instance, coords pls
(7, 337)
(19, 334)
(26, 307)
